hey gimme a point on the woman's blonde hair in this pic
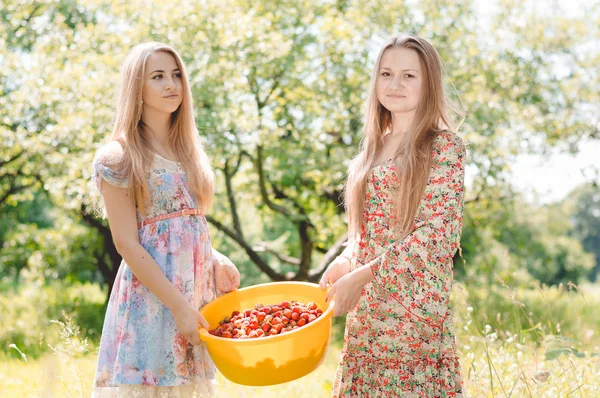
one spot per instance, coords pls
(413, 155)
(183, 136)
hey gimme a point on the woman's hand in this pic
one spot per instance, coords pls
(348, 289)
(188, 321)
(336, 269)
(227, 276)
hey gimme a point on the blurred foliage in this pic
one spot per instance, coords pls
(28, 310)
(279, 87)
(521, 242)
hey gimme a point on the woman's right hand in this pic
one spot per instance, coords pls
(336, 269)
(188, 321)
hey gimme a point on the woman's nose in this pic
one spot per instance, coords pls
(396, 82)
(170, 84)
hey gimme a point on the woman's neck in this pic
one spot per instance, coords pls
(401, 123)
(158, 129)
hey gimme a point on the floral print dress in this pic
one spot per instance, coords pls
(399, 339)
(141, 352)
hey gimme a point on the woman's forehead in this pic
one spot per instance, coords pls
(400, 58)
(161, 60)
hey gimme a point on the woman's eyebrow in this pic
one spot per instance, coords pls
(162, 71)
(403, 70)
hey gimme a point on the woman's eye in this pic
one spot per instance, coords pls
(159, 76)
(409, 76)
(386, 74)
(178, 75)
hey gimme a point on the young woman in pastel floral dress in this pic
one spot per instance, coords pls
(156, 184)
(404, 199)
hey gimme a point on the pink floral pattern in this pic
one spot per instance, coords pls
(140, 342)
(399, 338)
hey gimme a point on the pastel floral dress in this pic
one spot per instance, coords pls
(141, 352)
(399, 339)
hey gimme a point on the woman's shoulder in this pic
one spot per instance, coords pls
(448, 141)
(448, 153)
(108, 165)
(109, 154)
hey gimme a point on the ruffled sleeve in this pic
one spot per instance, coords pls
(106, 166)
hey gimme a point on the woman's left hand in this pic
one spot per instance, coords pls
(347, 291)
(227, 276)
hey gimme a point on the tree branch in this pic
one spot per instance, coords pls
(263, 188)
(478, 197)
(4, 163)
(306, 245)
(281, 257)
(13, 190)
(26, 20)
(231, 197)
(15, 187)
(329, 256)
(335, 196)
(109, 273)
(239, 161)
(280, 194)
(258, 260)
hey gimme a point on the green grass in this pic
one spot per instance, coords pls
(539, 342)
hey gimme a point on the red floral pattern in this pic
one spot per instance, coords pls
(399, 338)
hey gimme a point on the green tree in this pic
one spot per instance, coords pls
(279, 87)
(585, 216)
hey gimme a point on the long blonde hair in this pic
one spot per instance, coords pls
(413, 155)
(183, 135)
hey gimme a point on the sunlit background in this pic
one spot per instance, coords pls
(279, 88)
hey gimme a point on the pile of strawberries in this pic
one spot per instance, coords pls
(267, 320)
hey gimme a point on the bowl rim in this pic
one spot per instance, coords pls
(328, 313)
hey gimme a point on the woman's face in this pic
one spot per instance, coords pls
(162, 91)
(399, 80)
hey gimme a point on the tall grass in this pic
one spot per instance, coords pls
(537, 342)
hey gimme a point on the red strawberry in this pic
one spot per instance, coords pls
(261, 316)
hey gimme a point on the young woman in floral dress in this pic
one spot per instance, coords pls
(404, 199)
(156, 184)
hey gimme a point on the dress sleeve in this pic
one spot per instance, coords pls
(106, 166)
(417, 271)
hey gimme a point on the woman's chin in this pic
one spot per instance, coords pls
(397, 108)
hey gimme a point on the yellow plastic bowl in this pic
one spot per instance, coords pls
(269, 360)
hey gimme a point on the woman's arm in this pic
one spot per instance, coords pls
(227, 276)
(418, 271)
(120, 210)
